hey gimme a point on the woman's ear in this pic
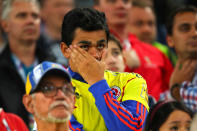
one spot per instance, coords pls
(64, 49)
(28, 103)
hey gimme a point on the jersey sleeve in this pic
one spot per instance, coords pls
(75, 125)
(120, 116)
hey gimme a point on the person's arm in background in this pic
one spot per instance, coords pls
(183, 71)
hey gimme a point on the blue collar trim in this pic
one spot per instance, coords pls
(76, 76)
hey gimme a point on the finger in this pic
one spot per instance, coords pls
(186, 64)
(189, 67)
(79, 50)
(76, 55)
(72, 65)
(85, 53)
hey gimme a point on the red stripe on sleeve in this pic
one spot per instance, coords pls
(118, 114)
(117, 106)
(70, 126)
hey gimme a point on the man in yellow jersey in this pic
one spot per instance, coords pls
(105, 100)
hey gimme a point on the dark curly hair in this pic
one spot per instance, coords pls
(86, 19)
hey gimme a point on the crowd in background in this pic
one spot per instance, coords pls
(155, 38)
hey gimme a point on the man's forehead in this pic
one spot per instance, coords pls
(113, 1)
(51, 2)
(95, 35)
(185, 17)
(26, 6)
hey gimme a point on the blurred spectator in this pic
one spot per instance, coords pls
(142, 23)
(117, 16)
(152, 64)
(11, 122)
(21, 22)
(114, 58)
(168, 115)
(50, 97)
(182, 35)
(162, 10)
(52, 14)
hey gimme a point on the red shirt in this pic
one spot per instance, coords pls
(11, 122)
(155, 67)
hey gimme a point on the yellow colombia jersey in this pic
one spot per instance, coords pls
(118, 102)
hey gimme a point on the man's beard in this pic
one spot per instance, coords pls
(50, 117)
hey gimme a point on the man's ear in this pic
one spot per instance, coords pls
(28, 103)
(5, 26)
(64, 49)
(170, 41)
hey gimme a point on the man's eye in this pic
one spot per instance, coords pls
(111, 1)
(85, 47)
(101, 46)
(48, 88)
(68, 90)
(151, 23)
(174, 128)
(127, 1)
(21, 15)
(139, 23)
(35, 16)
(185, 28)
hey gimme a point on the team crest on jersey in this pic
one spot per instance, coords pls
(117, 91)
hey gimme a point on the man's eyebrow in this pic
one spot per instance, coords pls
(88, 42)
(101, 41)
(185, 24)
(84, 42)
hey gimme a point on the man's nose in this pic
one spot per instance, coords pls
(60, 93)
(147, 28)
(93, 51)
(31, 20)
